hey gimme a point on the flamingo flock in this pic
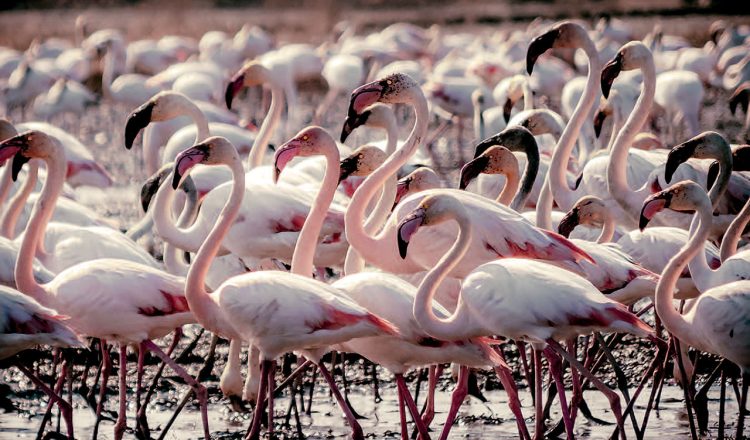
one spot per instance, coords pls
(308, 202)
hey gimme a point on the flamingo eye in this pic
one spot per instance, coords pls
(305, 137)
(389, 82)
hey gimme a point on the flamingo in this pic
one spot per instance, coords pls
(741, 98)
(24, 323)
(519, 239)
(717, 321)
(531, 306)
(278, 312)
(108, 299)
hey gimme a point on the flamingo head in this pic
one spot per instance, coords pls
(515, 93)
(683, 196)
(633, 55)
(541, 121)
(707, 145)
(309, 141)
(362, 162)
(589, 210)
(26, 146)
(421, 179)
(251, 74)
(396, 88)
(740, 162)
(564, 35)
(740, 97)
(602, 113)
(152, 184)
(352, 122)
(377, 115)
(495, 160)
(214, 150)
(432, 210)
(515, 138)
(163, 106)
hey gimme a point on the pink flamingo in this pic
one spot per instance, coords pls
(717, 322)
(278, 312)
(108, 299)
(539, 303)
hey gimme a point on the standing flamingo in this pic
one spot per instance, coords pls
(717, 322)
(108, 299)
(278, 312)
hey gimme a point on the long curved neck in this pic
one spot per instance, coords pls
(18, 202)
(734, 232)
(478, 120)
(108, 74)
(528, 95)
(150, 149)
(673, 321)
(700, 271)
(6, 182)
(354, 263)
(201, 122)
(530, 173)
(617, 180)
(203, 306)
(371, 247)
(453, 327)
(564, 196)
(173, 260)
(258, 151)
(510, 188)
(608, 229)
(40, 216)
(544, 206)
(616, 127)
(304, 251)
(189, 239)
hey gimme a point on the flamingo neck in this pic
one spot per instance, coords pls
(189, 239)
(564, 196)
(6, 182)
(734, 232)
(258, 151)
(530, 172)
(617, 180)
(18, 202)
(199, 118)
(700, 272)
(354, 263)
(151, 149)
(509, 190)
(528, 96)
(372, 247)
(204, 306)
(40, 216)
(304, 251)
(674, 322)
(617, 123)
(108, 74)
(478, 121)
(608, 229)
(173, 260)
(544, 206)
(455, 326)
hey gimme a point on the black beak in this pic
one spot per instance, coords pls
(507, 108)
(348, 166)
(578, 181)
(233, 87)
(678, 155)
(568, 223)
(741, 97)
(152, 185)
(137, 121)
(471, 170)
(598, 122)
(352, 122)
(741, 158)
(407, 228)
(484, 145)
(609, 73)
(538, 46)
(18, 162)
(713, 173)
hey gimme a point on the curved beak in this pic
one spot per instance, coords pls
(741, 158)
(402, 189)
(740, 97)
(234, 86)
(284, 154)
(408, 227)
(653, 204)
(187, 160)
(538, 46)
(348, 166)
(678, 155)
(610, 71)
(485, 145)
(137, 121)
(507, 108)
(568, 223)
(599, 119)
(713, 173)
(364, 96)
(152, 184)
(471, 170)
(19, 160)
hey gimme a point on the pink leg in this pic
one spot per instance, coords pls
(459, 394)
(577, 388)
(614, 399)
(200, 390)
(429, 410)
(743, 405)
(526, 370)
(106, 370)
(64, 406)
(412, 407)
(556, 373)
(506, 379)
(121, 416)
(293, 375)
(353, 423)
(138, 387)
(254, 431)
(539, 416)
(402, 415)
(271, 384)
